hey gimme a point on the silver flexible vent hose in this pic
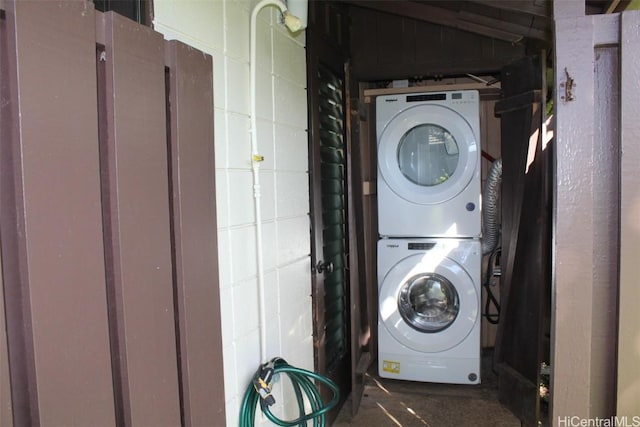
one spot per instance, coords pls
(490, 206)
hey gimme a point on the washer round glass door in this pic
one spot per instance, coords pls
(428, 302)
(427, 154)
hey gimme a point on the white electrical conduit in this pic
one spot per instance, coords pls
(294, 24)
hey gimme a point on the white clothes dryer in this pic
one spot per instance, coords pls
(429, 164)
(429, 310)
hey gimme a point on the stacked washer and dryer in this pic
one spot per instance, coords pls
(429, 252)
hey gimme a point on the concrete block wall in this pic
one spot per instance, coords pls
(221, 28)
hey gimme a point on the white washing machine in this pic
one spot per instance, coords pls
(429, 164)
(429, 310)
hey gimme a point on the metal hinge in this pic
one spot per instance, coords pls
(359, 109)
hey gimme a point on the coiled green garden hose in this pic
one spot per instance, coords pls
(302, 382)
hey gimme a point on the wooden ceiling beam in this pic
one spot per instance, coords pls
(436, 15)
(534, 33)
(540, 8)
(614, 6)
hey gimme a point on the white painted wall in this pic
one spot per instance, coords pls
(221, 29)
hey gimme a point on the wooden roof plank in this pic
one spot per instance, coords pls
(486, 21)
(436, 15)
(532, 7)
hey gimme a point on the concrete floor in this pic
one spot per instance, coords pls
(397, 403)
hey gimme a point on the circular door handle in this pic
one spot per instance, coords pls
(324, 267)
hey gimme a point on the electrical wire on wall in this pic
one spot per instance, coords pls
(492, 317)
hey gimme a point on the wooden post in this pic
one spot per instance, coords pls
(585, 283)
(628, 330)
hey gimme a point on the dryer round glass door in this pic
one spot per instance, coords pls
(427, 154)
(428, 302)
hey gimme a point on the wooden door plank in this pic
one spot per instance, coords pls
(357, 288)
(315, 183)
(192, 165)
(17, 312)
(54, 273)
(606, 194)
(526, 234)
(6, 407)
(628, 402)
(137, 225)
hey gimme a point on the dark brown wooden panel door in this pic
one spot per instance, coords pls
(522, 343)
(329, 169)
(329, 224)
